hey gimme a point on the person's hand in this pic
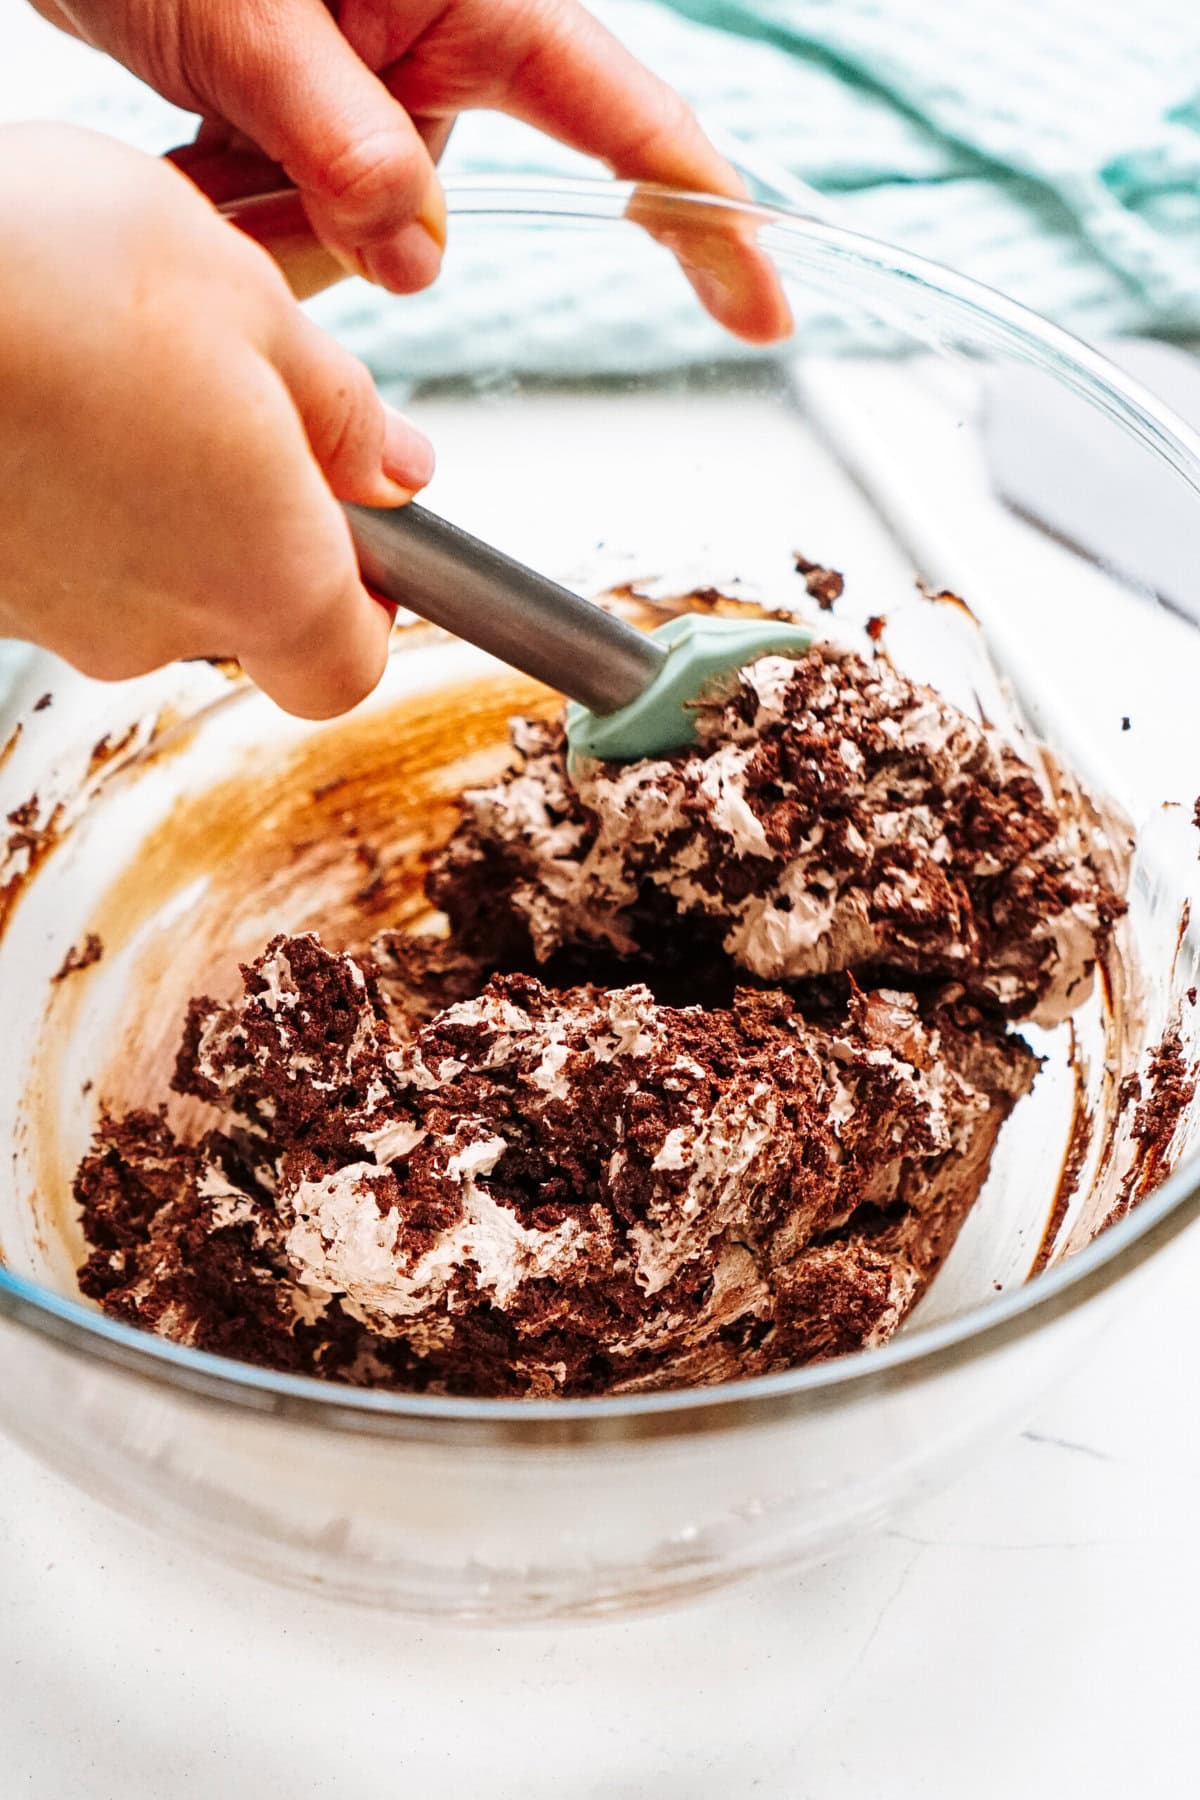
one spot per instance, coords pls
(355, 101)
(173, 432)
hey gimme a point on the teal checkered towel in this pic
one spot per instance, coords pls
(1051, 148)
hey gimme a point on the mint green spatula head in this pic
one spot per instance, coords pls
(702, 651)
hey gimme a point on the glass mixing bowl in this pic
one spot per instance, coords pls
(603, 429)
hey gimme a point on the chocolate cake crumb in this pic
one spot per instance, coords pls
(1167, 1091)
(1125, 724)
(80, 956)
(26, 836)
(1129, 1092)
(43, 702)
(825, 585)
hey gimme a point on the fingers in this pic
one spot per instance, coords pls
(298, 90)
(735, 280)
(163, 394)
(367, 452)
(581, 84)
(318, 641)
(328, 653)
(560, 70)
(362, 149)
(254, 194)
(572, 78)
(303, 627)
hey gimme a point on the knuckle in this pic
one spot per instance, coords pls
(537, 31)
(372, 173)
(166, 53)
(344, 438)
(673, 120)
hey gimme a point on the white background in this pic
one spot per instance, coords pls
(1033, 1631)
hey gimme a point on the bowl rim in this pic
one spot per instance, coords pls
(924, 1353)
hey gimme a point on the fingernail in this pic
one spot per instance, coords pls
(433, 215)
(408, 457)
(391, 493)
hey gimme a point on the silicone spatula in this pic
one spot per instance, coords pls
(633, 693)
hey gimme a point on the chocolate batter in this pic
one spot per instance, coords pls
(702, 1084)
(542, 1191)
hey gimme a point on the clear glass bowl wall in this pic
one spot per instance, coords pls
(190, 820)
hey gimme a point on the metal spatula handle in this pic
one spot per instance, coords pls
(445, 575)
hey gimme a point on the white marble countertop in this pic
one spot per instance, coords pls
(1032, 1631)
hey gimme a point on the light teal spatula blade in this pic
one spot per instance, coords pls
(703, 651)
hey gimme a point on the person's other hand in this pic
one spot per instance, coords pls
(173, 433)
(355, 101)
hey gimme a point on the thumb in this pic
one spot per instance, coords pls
(291, 82)
(327, 652)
